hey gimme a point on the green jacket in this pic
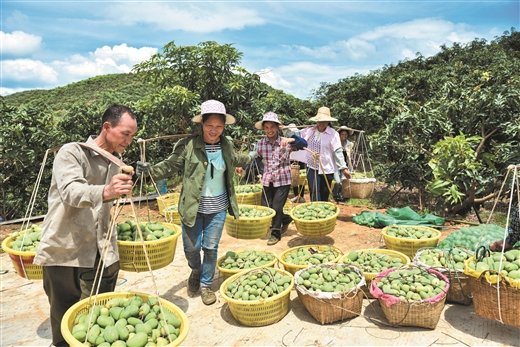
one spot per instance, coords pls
(189, 159)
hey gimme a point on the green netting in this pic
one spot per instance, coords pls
(473, 237)
(400, 216)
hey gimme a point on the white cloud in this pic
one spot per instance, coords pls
(299, 79)
(19, 44)
(191, 18)
(28, 71)
(395, 41)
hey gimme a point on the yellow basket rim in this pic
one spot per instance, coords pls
(154, 242)
(335, 215)
(83, 303)
(254, 302)
(167, 196)
(383, 232)
(293, 249)
(9, 250)
(220, 259)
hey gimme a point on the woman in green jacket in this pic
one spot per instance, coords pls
(207, 164)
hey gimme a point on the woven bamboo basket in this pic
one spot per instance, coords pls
(369, 276)
(418, 313)
(83, 306)
(171, 214)
(295, 174)
(318, 227)
(460, 289)
(358, 188)
(248, 228)
(293, 268)
(160, 252)
(166, 200)
(262, 312)
(409, 246)
(23, 261)
(332, 307)
(499, 301)
(254, 198)
(226, 273)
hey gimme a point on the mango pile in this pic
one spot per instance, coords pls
(248, 188)
(130, 322)
(258, 284)
(127, 231)
(472, 237)
(314, 211)
(510, 263)
(247, 259)
(334, 278)
(410, 232)
(372, 262)
(449, 258)
(26, 240)
(411, 284)
(251, 212)
(312, 255)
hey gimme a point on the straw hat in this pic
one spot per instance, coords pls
(344, 127)
(268, 117)
(323, 115)
(210, 107)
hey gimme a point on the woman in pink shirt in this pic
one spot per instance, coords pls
(325, 142)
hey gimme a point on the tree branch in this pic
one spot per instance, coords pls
(483, 141)
(417, 145)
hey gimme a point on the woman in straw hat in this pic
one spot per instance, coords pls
(344, 134)
(276, 180)
(324, 141)
(206, 162)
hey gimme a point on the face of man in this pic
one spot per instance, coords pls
(322, 126)
(212, 128)
(343, 136)
(120, 136)
(271, 130)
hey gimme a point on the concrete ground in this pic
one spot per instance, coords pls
(24, 317)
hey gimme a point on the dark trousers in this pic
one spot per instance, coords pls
(318, 186)
(275, 198)
(66, 285)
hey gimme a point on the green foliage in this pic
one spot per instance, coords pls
(406, 109)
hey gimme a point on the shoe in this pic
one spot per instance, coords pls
(272, 241)
(284, 228)
(293, 200)
(301, 200)
(194, 282)
(207, 295)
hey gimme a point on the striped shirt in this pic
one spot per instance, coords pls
(214, 196)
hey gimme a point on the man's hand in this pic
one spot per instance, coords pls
(239, 170)
(285, 141)
(142, 169)
(120, 184)
(497, 246)
(347, 174)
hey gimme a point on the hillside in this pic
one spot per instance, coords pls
(122, 88)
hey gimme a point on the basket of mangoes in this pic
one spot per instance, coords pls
(315, 218)
(21, 247)
(252, 223)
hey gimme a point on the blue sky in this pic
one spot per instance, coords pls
(294, 45)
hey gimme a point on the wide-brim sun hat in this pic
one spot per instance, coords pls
(268, 117)
(211, 107)
(323, 115)
(344, 127)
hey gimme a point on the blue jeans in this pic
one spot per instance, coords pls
(204, 235)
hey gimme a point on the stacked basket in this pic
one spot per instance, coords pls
(315, 227)
(166, 200)
(328, 307)
(248, 228)
(407, 245)
(171, 214)
(249, 194)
